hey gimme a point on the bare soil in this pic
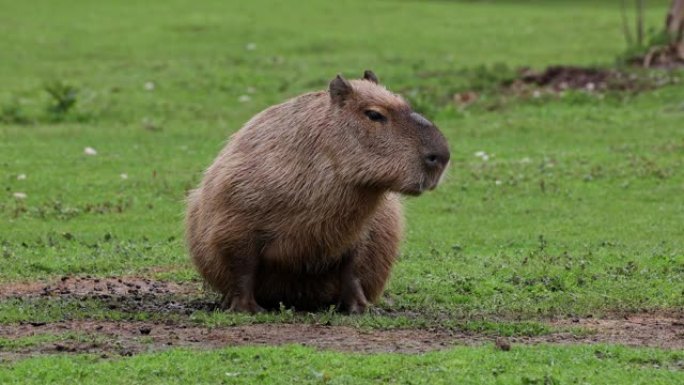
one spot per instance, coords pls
(109, 338)
(126, 293)
(557, 80)
(87, 285)
(592, 79)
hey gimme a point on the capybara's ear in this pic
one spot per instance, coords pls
(370, 76)
(340, 89)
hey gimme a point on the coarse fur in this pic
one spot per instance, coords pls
(302, 205)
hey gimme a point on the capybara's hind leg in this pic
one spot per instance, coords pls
(243, 267)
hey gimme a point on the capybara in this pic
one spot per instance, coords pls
(302, 209)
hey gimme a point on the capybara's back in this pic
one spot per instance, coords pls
(301, 207)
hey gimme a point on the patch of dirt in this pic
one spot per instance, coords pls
(557, 80)
(127, 338)
(568, 77)
(134, 294)
(126, 293)
(88, 286)
(108, 338)
(653, 330)
(560, 78)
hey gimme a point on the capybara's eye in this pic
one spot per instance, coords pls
(375, 116)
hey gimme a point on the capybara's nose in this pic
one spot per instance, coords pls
(437, 159)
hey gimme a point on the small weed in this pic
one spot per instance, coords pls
(63, 98)
(13, 113)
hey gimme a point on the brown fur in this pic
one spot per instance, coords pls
(301, 207)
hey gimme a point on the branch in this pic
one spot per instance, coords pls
(625, 25)
(640, 22)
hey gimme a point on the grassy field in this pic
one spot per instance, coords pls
(482, 365)
(577, 211)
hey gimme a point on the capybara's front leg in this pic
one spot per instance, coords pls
(352, 297)
(240, 295)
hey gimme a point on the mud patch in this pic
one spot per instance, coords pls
(107, 338)
(88, 286)
(638, 330)
(127, 338)
(561, 78)
(495, 87)
(127, 294)
(136, 294)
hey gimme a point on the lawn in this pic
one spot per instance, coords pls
(482, 365)
(575, 211)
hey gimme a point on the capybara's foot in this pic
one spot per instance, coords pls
(355, 306)
(353, 300)
(241, 305)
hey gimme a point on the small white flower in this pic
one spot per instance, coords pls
(149, 86)
(250, 46)
(124, 176)
(590, 86)
(21, 177)
(89, 151)
(536, 94)
(20, 195)
(498, 182)
(244, 98)
(482, 155)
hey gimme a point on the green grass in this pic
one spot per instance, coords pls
(9, 344)
(577, 211)
(481, 365)
(13, 344)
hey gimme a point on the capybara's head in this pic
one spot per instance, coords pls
(401, 150)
